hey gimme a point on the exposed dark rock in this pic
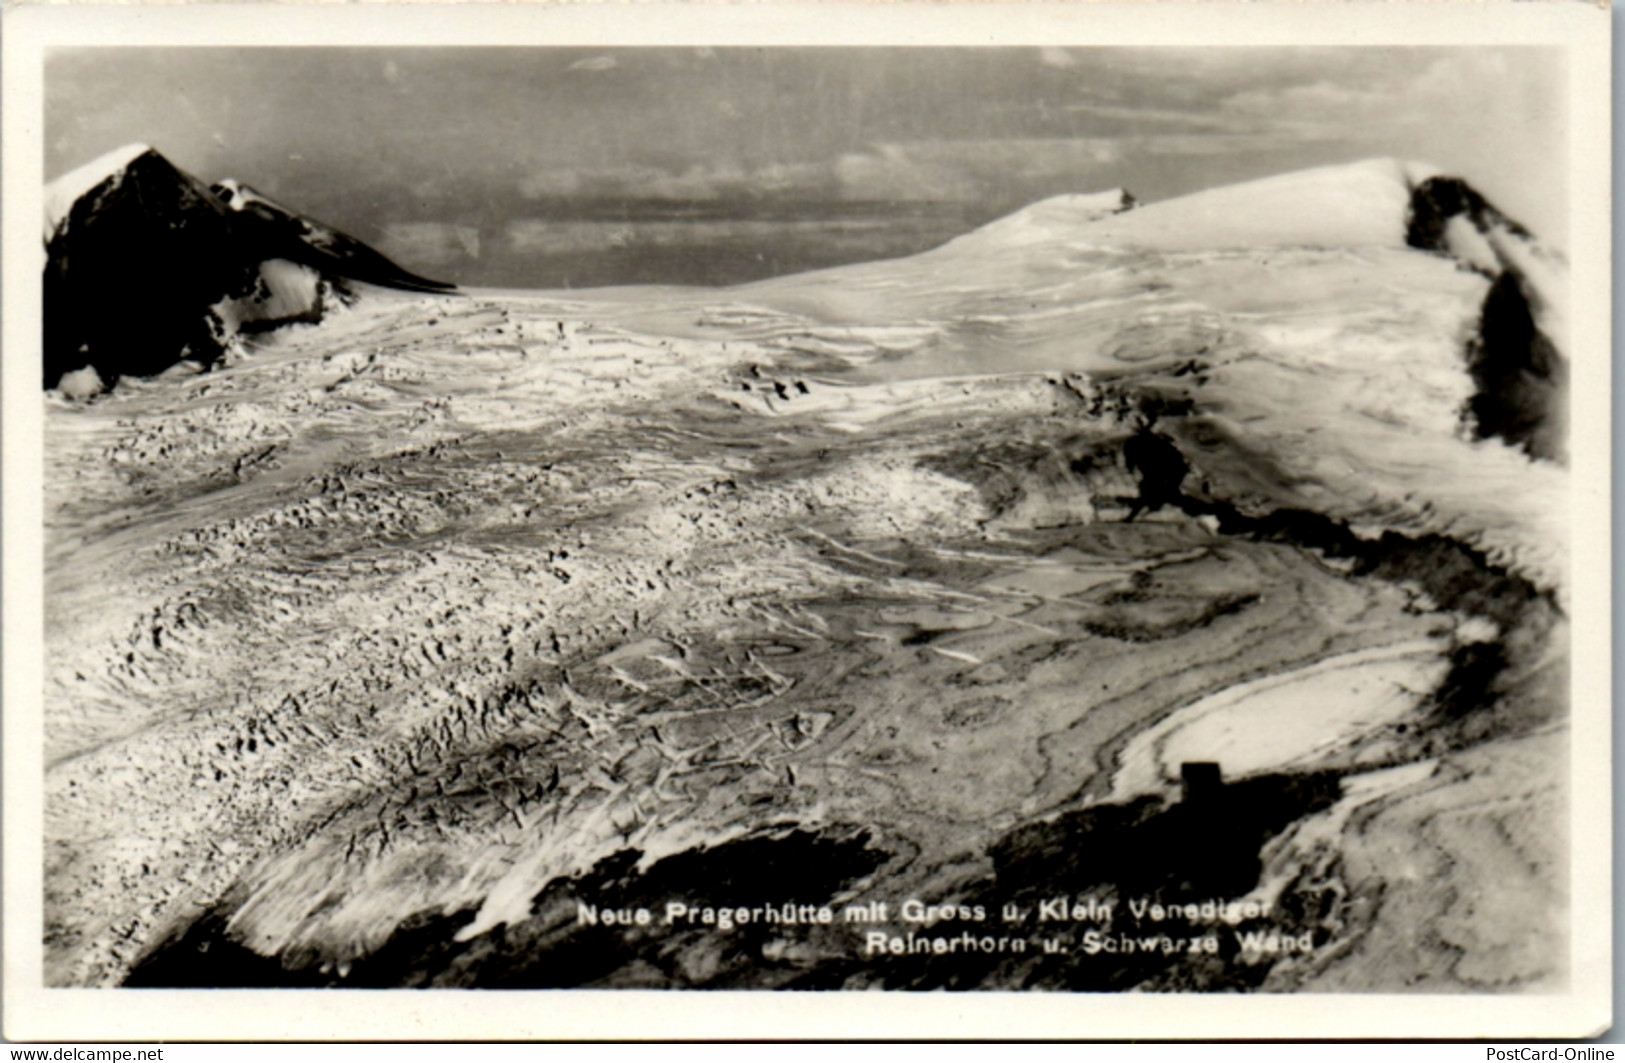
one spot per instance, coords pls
(135, 268)
(205, 956)
(1520, 375)
(1522, 381)
(131, 274)
(555, 948)
(1203, 848)
(1160, 467)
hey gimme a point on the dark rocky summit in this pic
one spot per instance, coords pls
(1520, 373)
(1438, 199)
(150, 267)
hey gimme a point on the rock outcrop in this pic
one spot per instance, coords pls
(1515, 359)
(147, 266)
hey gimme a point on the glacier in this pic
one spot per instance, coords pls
(1205, 549)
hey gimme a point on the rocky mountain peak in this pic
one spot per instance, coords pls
(148, 266)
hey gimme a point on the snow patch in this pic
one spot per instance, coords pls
(1284, 720)
(284, 291)
(81, 383)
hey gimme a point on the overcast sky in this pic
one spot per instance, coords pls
(458, 129)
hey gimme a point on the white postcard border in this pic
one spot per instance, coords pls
(32, 1012)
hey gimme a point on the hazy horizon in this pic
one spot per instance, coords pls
(556, 167)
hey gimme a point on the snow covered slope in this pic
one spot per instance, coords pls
(1359, 205)
(1329, 362)
(147, 266)
(1039, 222)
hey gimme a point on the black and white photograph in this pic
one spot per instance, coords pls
(1055, 518)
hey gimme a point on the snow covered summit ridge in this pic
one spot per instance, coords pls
(1362, 204)
(147, 266)
(62, 193)
(1041, 221)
